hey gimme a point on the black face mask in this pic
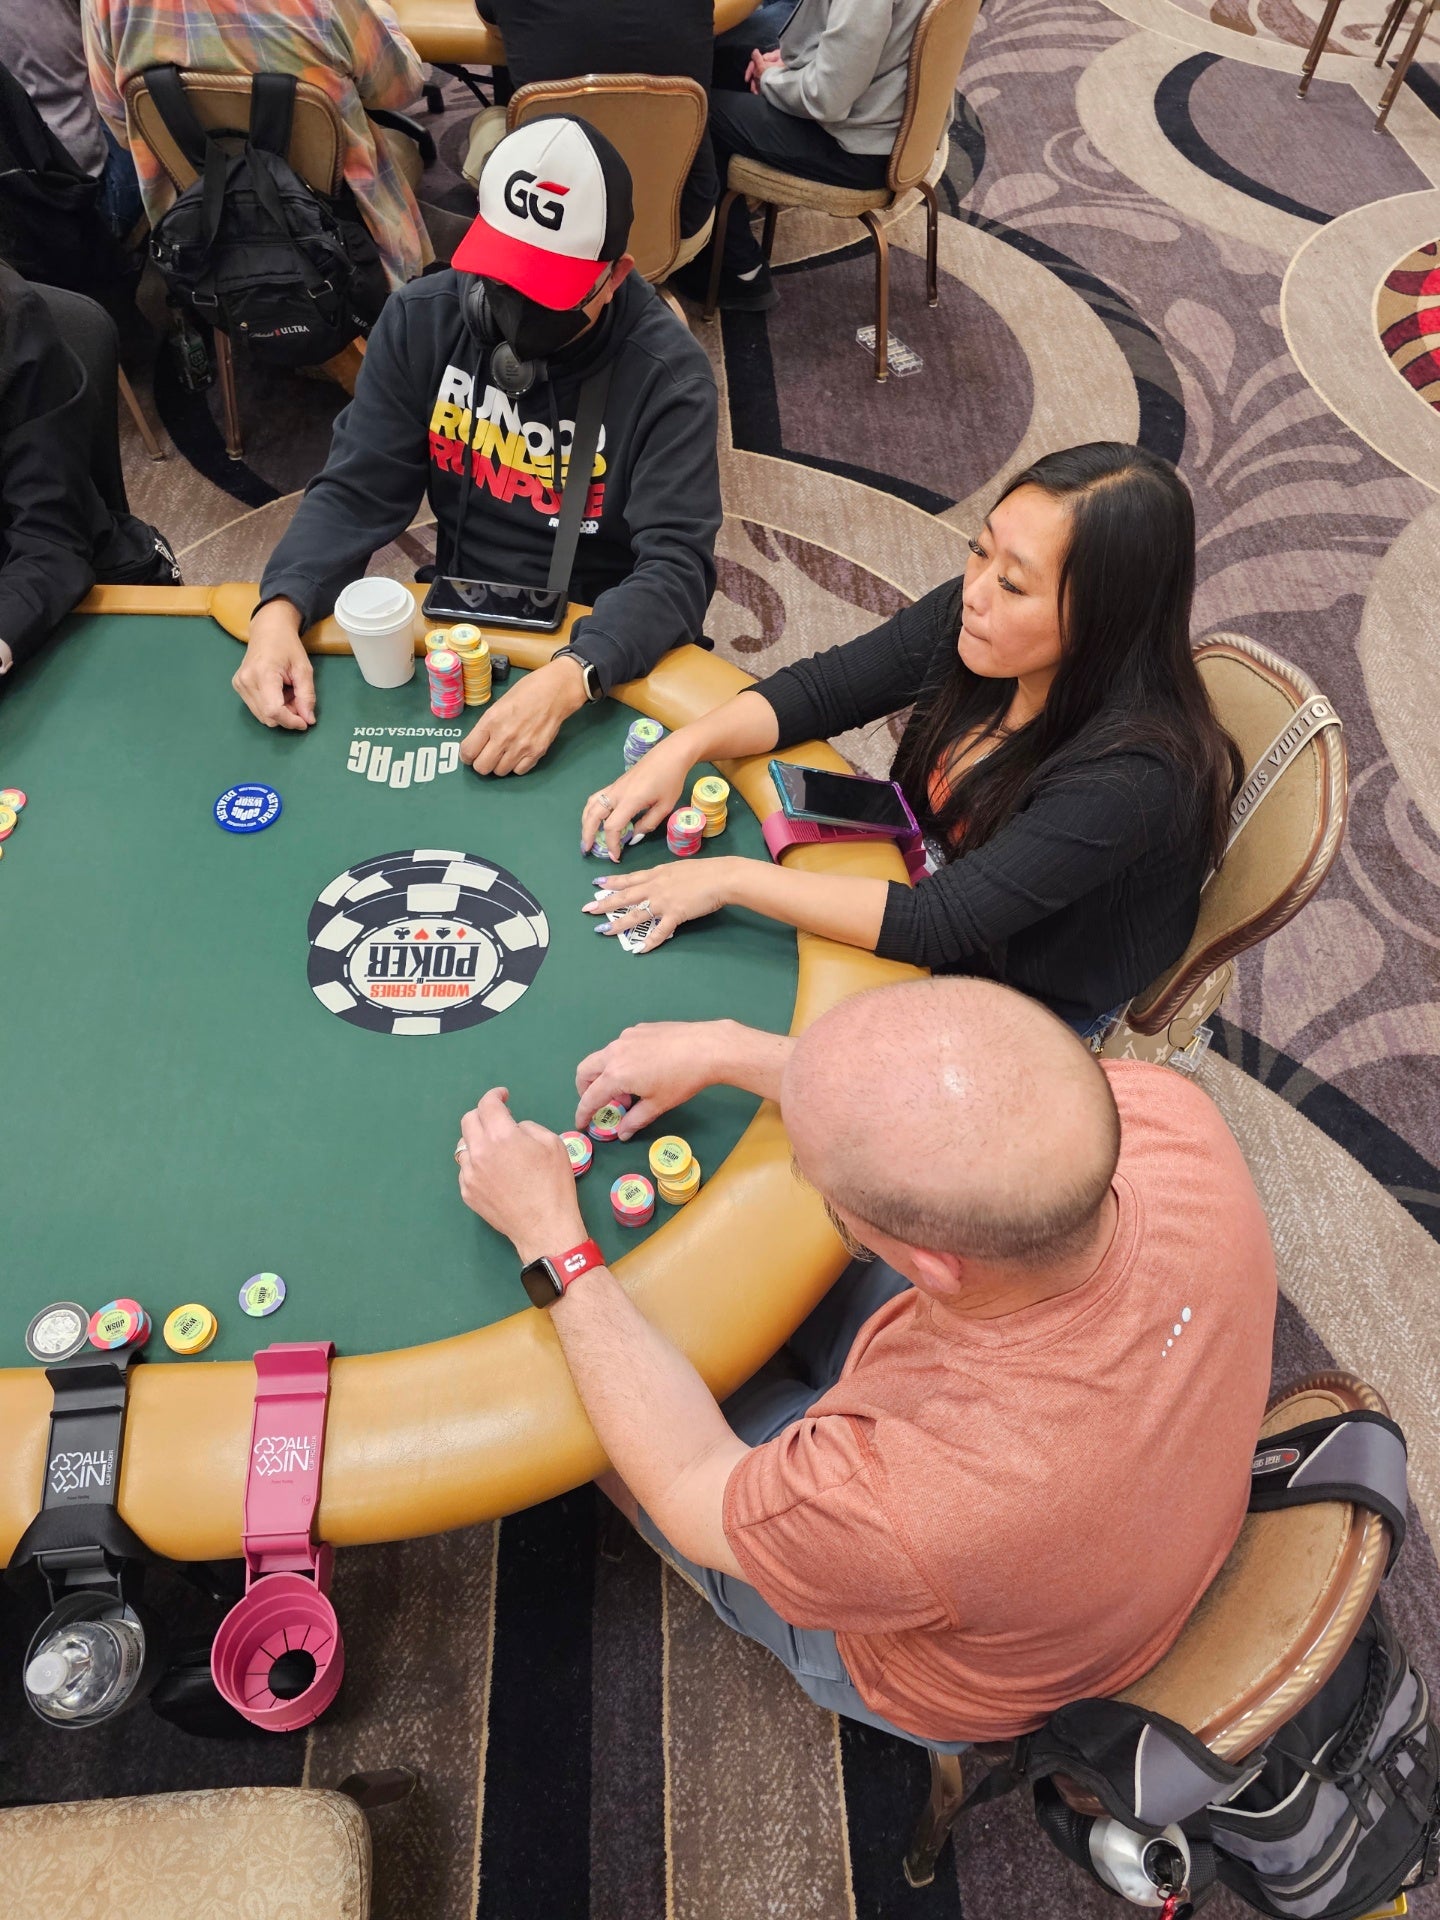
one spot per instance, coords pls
(532, 331)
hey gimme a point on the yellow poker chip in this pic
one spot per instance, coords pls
(683, 1186)
(8, 817)
(190, 1329)
(710, 793)
(670, 1156)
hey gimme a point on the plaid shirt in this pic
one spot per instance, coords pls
(353, 49)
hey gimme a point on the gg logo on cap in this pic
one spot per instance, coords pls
(546, 213)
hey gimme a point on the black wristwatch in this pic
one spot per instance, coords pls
(589, 672)
(545, 1280)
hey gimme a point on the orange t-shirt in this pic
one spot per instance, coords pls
(999, 1516)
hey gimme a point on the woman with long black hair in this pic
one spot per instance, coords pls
(1062, 755)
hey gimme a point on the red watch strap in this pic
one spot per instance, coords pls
(569, 1266)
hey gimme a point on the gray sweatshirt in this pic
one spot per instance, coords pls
(846, 63)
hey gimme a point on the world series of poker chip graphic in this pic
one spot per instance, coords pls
(425, 941)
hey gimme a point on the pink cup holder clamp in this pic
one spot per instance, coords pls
(278, 1657)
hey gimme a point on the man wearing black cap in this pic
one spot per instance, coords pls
(468, 395)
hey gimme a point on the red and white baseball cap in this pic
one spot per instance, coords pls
(555, 208)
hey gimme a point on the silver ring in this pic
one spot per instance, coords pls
(460, 1147)
(604, 800)
(644, 906)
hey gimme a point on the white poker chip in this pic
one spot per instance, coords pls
(422, 942)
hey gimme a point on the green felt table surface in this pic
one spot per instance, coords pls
(179, 1111)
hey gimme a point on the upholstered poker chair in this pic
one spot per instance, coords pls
(267, 1852)
(1272, 867)
(317, 154)
(655, 123)
(937, 52)
(1272, 1627)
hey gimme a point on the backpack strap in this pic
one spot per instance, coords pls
(1144, 1769)
(167, 90)
(272, 111)
(1357, 1456)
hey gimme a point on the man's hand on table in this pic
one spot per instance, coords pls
(516, 730)
(516, 1175)
(275, 679)
(664, 1063)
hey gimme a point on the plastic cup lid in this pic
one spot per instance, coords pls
(374, 605)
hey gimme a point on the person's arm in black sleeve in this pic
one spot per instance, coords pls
(371, 484)
(672, 510)
(50, 505)
(1076, 835)
(876, 674)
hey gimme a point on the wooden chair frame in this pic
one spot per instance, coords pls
(1389, 27)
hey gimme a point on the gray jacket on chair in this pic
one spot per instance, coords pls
(846, 66)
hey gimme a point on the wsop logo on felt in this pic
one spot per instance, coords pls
(427, 941)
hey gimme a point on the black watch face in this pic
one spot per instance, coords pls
(538, 1280)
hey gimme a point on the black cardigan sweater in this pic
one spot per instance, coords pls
(1081, 900)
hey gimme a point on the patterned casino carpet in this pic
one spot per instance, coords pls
(1146, 236)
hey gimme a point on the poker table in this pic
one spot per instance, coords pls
(451, 30)
(201, 1082)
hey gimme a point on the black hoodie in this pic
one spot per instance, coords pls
(646, 557)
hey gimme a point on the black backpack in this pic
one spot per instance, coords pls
(249, 248)
(1336, 1815)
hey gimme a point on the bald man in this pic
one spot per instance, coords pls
(998, 1466)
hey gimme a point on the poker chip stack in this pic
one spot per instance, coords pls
(474, 653)
(605, 1122)
(580, 1150)
(447, 684)
(599, 850)
(676, 1170)
(632, 1199)
(119, 1324)
(190, 1329)
(711, 796)
(643, 735)
(12, 805)
(684, 831)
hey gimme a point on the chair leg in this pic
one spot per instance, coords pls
(1389, 27)
(882, 296)
(717, 253)
(225, 365)
(137, 414)
(932, 243)
(1322, 34)
(1402, 65)
(767, 233)
(932, 1830)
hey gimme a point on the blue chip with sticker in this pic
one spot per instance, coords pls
(247, 809)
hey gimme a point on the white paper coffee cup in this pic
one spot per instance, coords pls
(377, 616)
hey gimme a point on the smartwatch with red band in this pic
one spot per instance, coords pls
(546, 1279)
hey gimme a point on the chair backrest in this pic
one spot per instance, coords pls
(655, 122)
(1276, 1620)
(937, 53)
(222, 105)
(1286, 851)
